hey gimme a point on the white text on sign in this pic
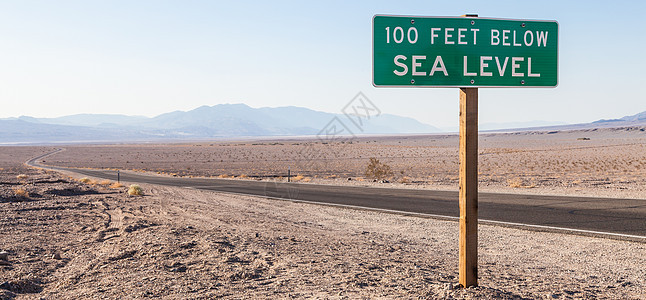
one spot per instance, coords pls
(488, 66)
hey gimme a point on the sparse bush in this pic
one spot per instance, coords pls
(135, 190)
(515, 183)
(297, 178)
(116, 185)
(105, 182)
(85, 180)
(21, 193)
(519, 183)
(378, 170)
(22, 176)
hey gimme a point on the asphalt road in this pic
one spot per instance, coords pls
(606, 215)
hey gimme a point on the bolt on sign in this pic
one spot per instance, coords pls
(413, 51)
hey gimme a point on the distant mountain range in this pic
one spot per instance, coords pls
(219, 121)
(507, 125)
(637, 120)
(236, 120)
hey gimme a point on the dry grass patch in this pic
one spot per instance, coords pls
(116, 185)
(298, 178)
(515, 183)
(22, 176)
(85, 180)
(105, 182)
(20, 192)
(519, 183)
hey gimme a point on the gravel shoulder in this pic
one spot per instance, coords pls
(70, 240)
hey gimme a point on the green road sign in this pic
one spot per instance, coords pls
(412, 51)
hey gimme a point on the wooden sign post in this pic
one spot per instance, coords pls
(468, 266)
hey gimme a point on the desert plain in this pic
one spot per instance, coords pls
(609, 162)
(67, 238)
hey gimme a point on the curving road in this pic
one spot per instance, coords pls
(618, 218)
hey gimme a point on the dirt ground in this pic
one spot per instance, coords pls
(70, 240)
(65, 239)
(607, 162)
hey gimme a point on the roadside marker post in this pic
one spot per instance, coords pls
(467, 53)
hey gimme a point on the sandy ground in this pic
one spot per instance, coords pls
(71, 240)
(595, 162)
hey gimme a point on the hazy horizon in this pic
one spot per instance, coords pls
(147, 58)
(485, 126)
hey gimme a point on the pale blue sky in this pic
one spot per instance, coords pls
(150, 57)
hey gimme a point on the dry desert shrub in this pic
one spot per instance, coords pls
(22, 176)
(85, 180)
(116, 185)
(135, 190)
(223, 176)
(519, 183)
(20, 192)
(105, 182)
(515, 183)
(378, 170)
(298, 177)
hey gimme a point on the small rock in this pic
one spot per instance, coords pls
(349, 178)
(180, 269)
(4, 255)
(57, 256)
(188, 245)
